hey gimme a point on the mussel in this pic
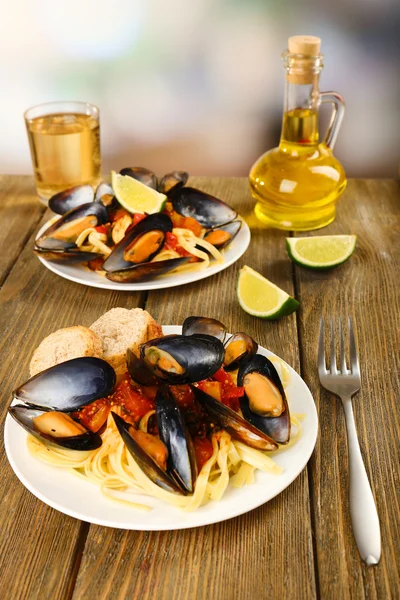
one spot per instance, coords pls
(55, 428)
(68, 385)
(140, 244)
(264, 404)
(234, 424)
(183, 359)
(64, 232)
(139, 371)
(69, 256)
(204, 325)
(141, 174)
(71, 198)
(220, 237)
(209, 211)
(237, 349)
(147, 464)
(104, 194)
(147, 270)
(172, 180)
(173, 432)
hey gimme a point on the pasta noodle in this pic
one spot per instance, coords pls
(114, 470)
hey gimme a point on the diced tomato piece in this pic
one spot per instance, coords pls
(230, 392)
(137, 217)
(183, 396)
(102, 228)
(94, 415)
(96, 264)
(171, 241)
(133, 403)
(203, 449)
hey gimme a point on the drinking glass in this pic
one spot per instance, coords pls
(64, 139)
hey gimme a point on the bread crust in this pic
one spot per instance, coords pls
(65, 344)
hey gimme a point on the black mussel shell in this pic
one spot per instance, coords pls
(146, 271)
(209, 211)
(71, 198)
(156, 221)
(233, 423)
(68, 385)
(199, 357)
(67, 256)
(204, 325)
(278, 428)
(172, 180)
(138, 370)
(100, 216)
(141, 174)
(145, 462)
(232, 229)
(24, 416)
(54, 245)
(173, 432)
(103, 189)
(244, 347)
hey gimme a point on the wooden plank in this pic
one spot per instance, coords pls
(266, 553)
(39, 547)
(20, 211)
(367, 288)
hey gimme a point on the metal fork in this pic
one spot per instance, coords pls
(344, 383)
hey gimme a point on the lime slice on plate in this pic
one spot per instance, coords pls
(135, 196)
(261, 298)
(321, 252)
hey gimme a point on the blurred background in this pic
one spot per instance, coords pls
(198, 84)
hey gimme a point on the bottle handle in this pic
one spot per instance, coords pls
(337, 116)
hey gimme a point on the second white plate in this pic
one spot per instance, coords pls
(81, 274)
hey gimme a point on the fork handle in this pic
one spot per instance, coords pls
(364, 516)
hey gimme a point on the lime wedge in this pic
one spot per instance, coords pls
(261, 298)
(135, 196)
(321, 252)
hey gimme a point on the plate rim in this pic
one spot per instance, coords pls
(134, 526)
(154, 284)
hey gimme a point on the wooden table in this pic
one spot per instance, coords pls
(300, 544)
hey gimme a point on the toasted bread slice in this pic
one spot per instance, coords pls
(65, 344)
(119, 329)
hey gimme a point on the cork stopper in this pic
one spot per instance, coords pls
(301, 67)
(309, 45)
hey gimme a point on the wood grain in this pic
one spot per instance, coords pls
(20, 211)
(266, 553)
(367, 288)
(39, 547)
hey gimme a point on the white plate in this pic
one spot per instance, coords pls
(81, 274)
(83, 500)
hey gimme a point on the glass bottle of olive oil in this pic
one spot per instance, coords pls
(297, 184)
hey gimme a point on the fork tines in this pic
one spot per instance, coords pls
(333, 369)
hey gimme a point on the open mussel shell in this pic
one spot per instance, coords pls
(68, 385)
(71, 198)
(239, 428)
(204, 325)
(148, 270)
(105, 194)
(220, 237)
(237, 349)
(173, 432)
(209, 211)
(277, 427)
(141, 174)
(24, 416)
(145, 462)
(180, 359)
(63, 233)
(157, 222)
(172, 180)
(67, 256)
(138, 370)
